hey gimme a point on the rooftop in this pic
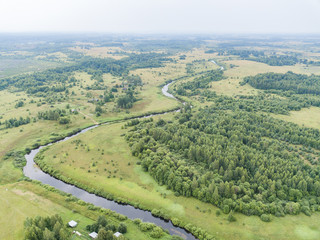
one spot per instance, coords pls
(117, 234)
(93, 235)
(73, 223)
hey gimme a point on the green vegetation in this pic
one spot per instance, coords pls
(259, 56)
(46, 228)
(192, 87)
(235, 160)
(237, 151)
(296, 83)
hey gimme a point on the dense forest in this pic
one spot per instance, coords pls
(296, 83)
(260, 56)
(280, 60)
(264, 102)
(237, 160)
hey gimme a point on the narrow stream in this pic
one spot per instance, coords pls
(35, 173)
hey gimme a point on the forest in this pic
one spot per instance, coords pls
(260, 56)
(237, 160)
(296, 83)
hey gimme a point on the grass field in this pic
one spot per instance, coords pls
(307, 117)
(100, 159)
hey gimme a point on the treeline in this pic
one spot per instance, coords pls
(260, 56)
(241, 53)
(296, 83)
(236, 160)
(14, 122)
(277, 60)
(51, 228)
(192, 87)
(269, 103)
(56, 115)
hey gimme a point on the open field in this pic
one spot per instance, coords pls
(230, 86)
(100, 159)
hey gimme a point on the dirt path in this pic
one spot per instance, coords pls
(94, 121)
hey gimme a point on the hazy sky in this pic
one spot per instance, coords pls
(163, 16)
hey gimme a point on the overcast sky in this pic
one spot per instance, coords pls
(161, 16)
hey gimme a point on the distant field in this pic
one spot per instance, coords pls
(243, 68)
(102, 52)
(250, 68)
(9, 67)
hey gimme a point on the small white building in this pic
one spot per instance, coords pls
(76, 232)
(72, 223)
(93, 235)
(117, 234)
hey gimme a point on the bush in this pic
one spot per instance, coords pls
(122, 228)
(156, 232)
(137, 221)
(64, 120)
(265, 218)
(226, 209)
(144, 227)
(176, 221)
(231, 218)
(218, 213)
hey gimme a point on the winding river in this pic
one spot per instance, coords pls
(33, 172)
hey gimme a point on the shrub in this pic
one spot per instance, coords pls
(122, 228)
(231, 218)
(265, 217)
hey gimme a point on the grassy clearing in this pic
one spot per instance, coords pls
(40, 132)
(112, 173)
(235, 75)
(308, 117)
(249, 68)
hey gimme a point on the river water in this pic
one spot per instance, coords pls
(32, 171)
